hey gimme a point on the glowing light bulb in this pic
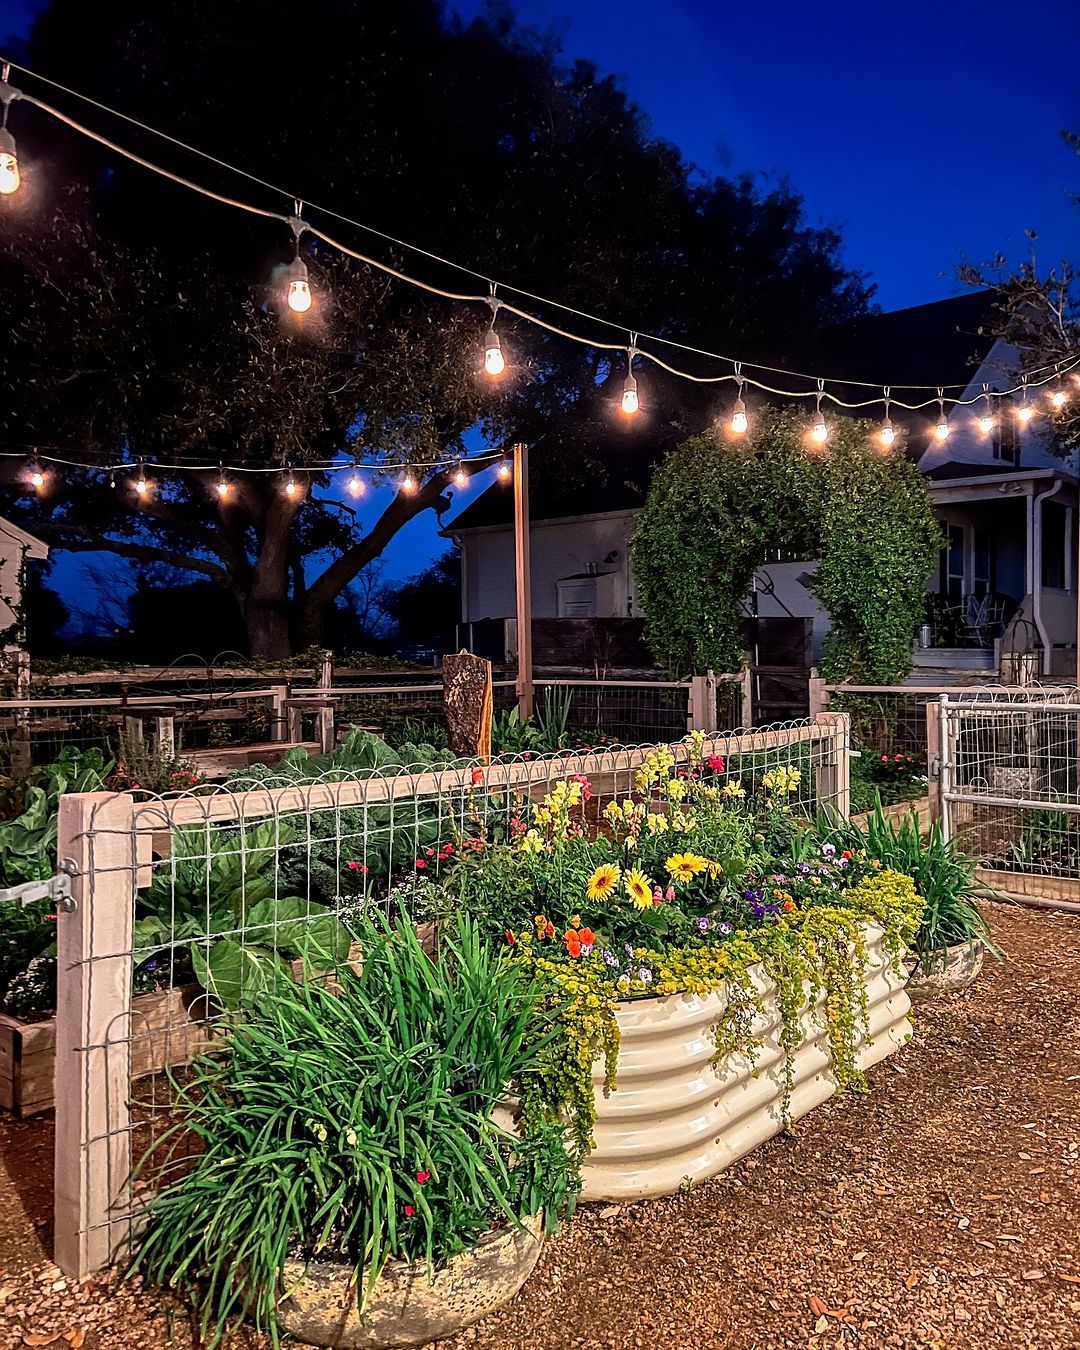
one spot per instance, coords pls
(986, 423)
(355, 485)
(461, 478)
(142, 487)
(223, 487)
(37, 477)
(9, 164)
(820, 430)
(494, 361)
(292, 487)
(1025, 413)
(1059, 398)
(888, 433)
(299, 296)
(738, 417)
(630, 404)
(408, 484)
(505, 472)
(941, 431)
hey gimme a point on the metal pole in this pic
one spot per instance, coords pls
(522, 580)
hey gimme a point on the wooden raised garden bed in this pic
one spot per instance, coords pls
(899, 811)
(165, 1030)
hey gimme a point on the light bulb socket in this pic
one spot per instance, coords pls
(298, 270)
(492, 342)
(7, 143)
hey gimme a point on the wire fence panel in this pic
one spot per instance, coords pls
(1010, 779)
(187, 906)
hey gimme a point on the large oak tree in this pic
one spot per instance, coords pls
(148, 322)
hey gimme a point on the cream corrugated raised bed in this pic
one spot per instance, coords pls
(677, 1117)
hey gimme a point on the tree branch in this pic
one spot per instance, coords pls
(82, 541)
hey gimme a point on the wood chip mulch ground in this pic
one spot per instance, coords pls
(943, 1209)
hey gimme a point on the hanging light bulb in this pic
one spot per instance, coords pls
(1059, 398)
(299, 296)
(888, 432)
(355, 485)
(738, 411)
(9, 161)
(408, 484)
(222, 486)
(461, 478)
(35, 475)
(292, 487)
(494, 361)
(630, 402)
(505, 472)
(142, 486)
(819, 431)
(986, 421)
(941, 430)
(1025, 412)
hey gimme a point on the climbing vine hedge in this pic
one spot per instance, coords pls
(717, 507)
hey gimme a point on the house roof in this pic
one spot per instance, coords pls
(941, 342)
(10, 533)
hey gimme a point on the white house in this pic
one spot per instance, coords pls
(17, 548)
(1007, 577)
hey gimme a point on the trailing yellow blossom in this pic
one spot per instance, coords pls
(685, 866)
(638, 888)
(603, 881)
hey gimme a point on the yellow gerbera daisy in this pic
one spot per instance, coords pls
(638, 888)
(685, 866)
(603, 881)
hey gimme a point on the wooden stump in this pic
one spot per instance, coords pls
(467, 692)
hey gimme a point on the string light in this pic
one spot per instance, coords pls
(738, 411)
(142, 487)
(355, 485)
(9, 159)
(461, 478)
(222, 485)
(941, 431)
(1059, 398)
(1025, 412)
(887, 433)
(629, 404)
(292, 487)
(986, 421)
(408, 484)
(494, 362)
(35, 475)
(820, 430)
(505, 472)
(298, 297)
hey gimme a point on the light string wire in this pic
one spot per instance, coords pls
(54, 454)
(1048, 373)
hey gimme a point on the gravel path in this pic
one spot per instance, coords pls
(941, 1210)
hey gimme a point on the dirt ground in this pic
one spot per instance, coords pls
(943, 1209)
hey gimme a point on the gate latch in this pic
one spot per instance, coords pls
(56, 888)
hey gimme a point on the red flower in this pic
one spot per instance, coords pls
(409, 1211)
(846, 854)
(716, 763)
(420, 864)
(511, 939)
(429, 853)
(423, 1177)
(449, 849)
(478, 775)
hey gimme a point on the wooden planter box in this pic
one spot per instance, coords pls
(899, 811)
(165, 1030)
(1032, 886)
(677, 1117)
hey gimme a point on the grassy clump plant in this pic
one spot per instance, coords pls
(353, 1122)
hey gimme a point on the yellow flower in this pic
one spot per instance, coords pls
(675, 789)
(685, 866)
(602, 882)
(531, 842)
(656, 824)
(638, 888)
(733, 788)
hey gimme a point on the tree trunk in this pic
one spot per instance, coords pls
(266, 611)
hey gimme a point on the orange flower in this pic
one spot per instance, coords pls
(789, 905)
(573, 946)
(588, 937)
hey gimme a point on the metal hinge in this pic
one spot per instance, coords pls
(57, 888)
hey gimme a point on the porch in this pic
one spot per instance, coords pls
(1006, 583)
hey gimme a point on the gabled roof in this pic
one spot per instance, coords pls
(10, 533)
(941, 342)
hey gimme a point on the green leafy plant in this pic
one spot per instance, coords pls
(358, 1125)
(152, 765)
(216, 897)
(512, 734)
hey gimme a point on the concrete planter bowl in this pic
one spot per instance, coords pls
(677, 1117)
(406, 1307)
(957, 967)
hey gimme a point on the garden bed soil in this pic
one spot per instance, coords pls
(942, 1210)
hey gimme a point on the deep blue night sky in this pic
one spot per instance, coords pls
(928, 133)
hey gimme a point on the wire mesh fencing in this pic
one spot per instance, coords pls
(187, 906)
(1010, 782)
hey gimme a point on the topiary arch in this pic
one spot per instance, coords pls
(716, 507)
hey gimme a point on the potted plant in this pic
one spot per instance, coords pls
(351, 1186)
(707, 995)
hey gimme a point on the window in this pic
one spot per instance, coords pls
(1005, 438)
(982, 562)
(1054, 532)
(953, 564)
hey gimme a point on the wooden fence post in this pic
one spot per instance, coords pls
(818, 694)
(278, 729)
(933, 757)
(22, 756)
(834, 766)
(93, 1030)
(701, 703)
(326, 671)
(165, 732)
(746, 697)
